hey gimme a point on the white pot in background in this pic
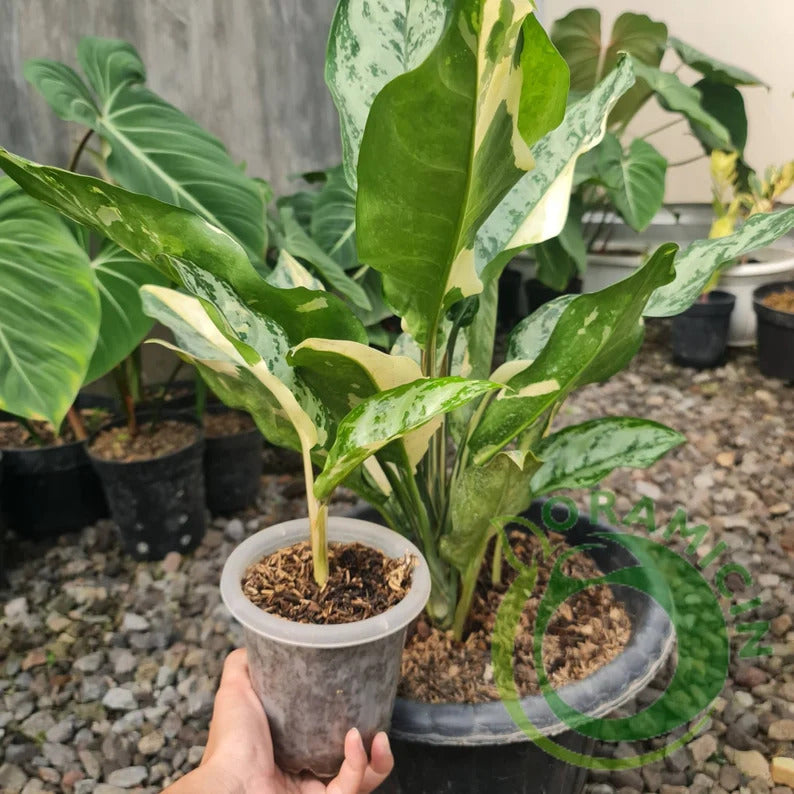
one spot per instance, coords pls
(775, 264)
(607, 268)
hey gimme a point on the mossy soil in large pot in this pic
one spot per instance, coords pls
(471, 747)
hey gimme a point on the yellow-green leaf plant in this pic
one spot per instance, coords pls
(461, 144)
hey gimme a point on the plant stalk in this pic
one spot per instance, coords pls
(79, 150)
(76, 423)
(318, 521)
(496, 566)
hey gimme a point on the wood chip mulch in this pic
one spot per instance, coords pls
(362, 583)
(226, 423)
(117, 444)
(587, 631)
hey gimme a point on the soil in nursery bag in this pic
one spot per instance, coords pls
(14, 435)
(154, 482)
(227, 423)
(362, 583)
(781, 301)
(587, 632)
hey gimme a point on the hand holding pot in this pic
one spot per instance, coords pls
(239, 755)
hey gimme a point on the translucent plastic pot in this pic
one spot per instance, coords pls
(317, 682)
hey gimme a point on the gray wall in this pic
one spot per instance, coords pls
(250, 71)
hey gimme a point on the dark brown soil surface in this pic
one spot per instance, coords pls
(781, 301)
(227, 423)
(588, 631)
(362, 583)
(14, 435)
(169, 436)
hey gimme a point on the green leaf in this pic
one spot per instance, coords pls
(153, 231)
(578, 37)
(247, 372)
(536, 209)
(726, 104)
(596, 336)
(677, 96)
(442, 146)
(634, 180)
(152, 147)
(388, 416)
(333, 222)
(481, 494)
(49, 309)
(289, 273)
(711, 68)
(529, 337)
(295, 240)
(696, 265)
(119, 276)
(582, 455)
(370, 43)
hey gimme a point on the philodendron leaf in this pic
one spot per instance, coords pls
(711, 68)
(297, 242)
(578, 37)
(333, 222)
(285, 411)
(153, 231)
(388, 416)
(634, 180)
(370, 43)
(695, 266)
(596, 336)
(443, 144)
(49, 309)
(152, 147)
(480, 494)
(685, 99)
(726, 104)
(536, 209)
(582, 455)
(119, 275)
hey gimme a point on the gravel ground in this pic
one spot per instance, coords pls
(108, 667)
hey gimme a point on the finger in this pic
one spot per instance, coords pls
(380, 765)
(351, 775)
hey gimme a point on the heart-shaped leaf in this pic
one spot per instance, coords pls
(726, 104)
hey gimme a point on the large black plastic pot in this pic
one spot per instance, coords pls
(232, 468)
(478, 749)
(775, 334)
(157, 504)
(700, 334)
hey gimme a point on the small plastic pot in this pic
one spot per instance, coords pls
(700, 334)
(232, 468)
(158, 504)
(775, 334)
(46, 491)
(317, 682)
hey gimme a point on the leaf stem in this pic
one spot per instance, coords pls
(79, 150)
(687, 161)
(662, 128)
(77, 424)
(496, 566)
(318, 520)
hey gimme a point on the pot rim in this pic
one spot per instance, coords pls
(340, 529)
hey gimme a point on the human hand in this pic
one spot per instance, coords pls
(238, 758)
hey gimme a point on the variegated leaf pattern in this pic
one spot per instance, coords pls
(529, 337)
(581, 456)
(285, 411)
(388, 416)
(442, 178)
(371, 42)
(289, 273)
(151, 146)
(119, 275)
(153, 231)
(537, 207)
(696, 265)
(596, 336)
(49, 309)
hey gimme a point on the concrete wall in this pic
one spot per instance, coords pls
(250, 71)
(755, 36)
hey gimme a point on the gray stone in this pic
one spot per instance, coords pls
(235, 531)
(702, 749)
(16, 609)
(128, 776)
(90, 663)
(194, 755)
(90, 763)
(12, 778)
(59, 755)
(61, 732)
(124, 661)
(132, 622)
(730, 777)
(37, 724)
(151, 743)
(119, 699)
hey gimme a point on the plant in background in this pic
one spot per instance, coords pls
(624, 176)
(462, 152)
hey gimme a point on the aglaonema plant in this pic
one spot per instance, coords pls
(461, 146)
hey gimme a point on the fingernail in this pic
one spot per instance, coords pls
(357, 734)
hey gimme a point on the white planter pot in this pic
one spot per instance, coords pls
(775, 265)
(605, 269)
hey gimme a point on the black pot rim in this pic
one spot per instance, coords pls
(478, 724)
(767, 313)
(178, 416)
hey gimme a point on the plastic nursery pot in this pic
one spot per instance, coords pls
(539, 294)
(46, 491)
(181, 396)
(508, 308)
(700, 334)
(232, 468)
(466, 748)
(316, 682)
(157, 504)
(775, 334)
